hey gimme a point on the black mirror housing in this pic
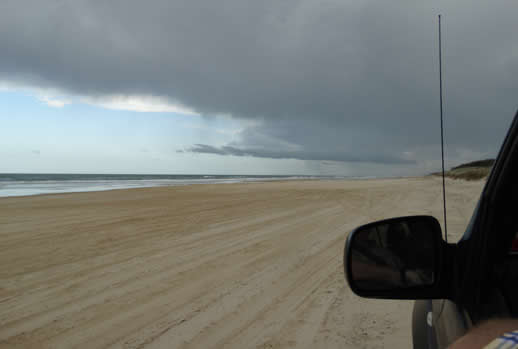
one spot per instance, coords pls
(397, 258)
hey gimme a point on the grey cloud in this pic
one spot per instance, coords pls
(320, 76)
(299, 155)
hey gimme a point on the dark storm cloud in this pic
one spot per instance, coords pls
(299, 155)
(320, 77)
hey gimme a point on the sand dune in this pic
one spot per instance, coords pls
(204, 266)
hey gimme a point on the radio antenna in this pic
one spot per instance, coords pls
(442, 135)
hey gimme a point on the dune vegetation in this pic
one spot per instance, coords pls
(470, 171)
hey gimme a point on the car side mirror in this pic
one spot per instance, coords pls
(398, 258)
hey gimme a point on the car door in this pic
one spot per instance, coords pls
(484, 282)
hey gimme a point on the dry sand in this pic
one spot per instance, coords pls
(202, 266)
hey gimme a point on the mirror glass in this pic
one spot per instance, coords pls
(394, 254)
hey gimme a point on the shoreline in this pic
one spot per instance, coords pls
(151, 187)
(246, 180)
(137, 186)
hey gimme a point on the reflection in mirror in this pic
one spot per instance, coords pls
(393, 254)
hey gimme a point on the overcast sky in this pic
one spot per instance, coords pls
(315, 87)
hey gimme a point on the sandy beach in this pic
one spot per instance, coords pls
(248, 265)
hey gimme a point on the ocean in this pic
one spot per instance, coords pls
(22, 184)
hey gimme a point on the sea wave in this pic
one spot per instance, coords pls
(35, 184)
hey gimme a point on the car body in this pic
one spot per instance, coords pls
(475, 278)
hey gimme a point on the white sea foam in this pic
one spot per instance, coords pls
(21, 187)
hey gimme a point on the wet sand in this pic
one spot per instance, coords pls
(249, 265)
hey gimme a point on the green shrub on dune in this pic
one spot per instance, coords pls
(471, 171)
